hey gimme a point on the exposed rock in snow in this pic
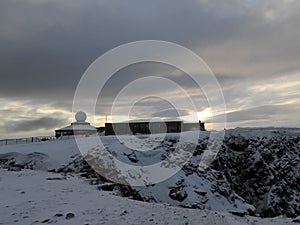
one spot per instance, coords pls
(297, 219)
(69, 216)
(265, 173)
(177, 192)
(132, 157)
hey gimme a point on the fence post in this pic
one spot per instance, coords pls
(6, 142)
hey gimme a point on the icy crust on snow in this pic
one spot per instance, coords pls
(257, 167)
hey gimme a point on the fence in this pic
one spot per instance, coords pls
(26, 140)
(35, 139)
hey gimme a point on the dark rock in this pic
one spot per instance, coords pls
(178, 195)
(46, 220)
(237, 213)
(297, 219)
(237, 143)
(56, 178)
(200, 192)
(14, 168)
(19, 165)
(107, 187)
(69, 216)
(132, 157)
(123, 213)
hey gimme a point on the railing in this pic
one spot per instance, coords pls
(26, 140)
(35, 139)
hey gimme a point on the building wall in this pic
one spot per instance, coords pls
(59, 133)
(151, 128)
(194, 126)
(143, 127)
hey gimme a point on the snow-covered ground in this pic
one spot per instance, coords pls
(39, 197)
(57, 152)
(30, 197)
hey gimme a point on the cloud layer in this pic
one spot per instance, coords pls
(251, 46)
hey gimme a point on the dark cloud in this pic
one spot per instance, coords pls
(266, 114)
(171, 113)
(46, 45)
(44, 123)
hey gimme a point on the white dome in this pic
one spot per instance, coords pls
(80, 116)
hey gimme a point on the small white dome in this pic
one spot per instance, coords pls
(80, 116)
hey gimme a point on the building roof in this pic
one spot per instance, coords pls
(78, 126)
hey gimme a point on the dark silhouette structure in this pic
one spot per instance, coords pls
(147, 127)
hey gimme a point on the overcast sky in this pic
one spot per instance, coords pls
(46, 45)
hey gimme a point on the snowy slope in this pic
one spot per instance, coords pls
(223, 187)
(50, 155)
(62, 152)
(30, 197)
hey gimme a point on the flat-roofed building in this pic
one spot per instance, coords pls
(147, 127)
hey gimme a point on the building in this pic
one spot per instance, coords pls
(100, 129)
(80, 127)
(146, 127)
(194, 126)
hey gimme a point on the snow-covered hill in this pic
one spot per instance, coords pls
(255, 167)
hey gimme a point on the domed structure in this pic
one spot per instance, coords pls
(80, 127)
(80, 117)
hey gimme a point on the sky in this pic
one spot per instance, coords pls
(251, 46)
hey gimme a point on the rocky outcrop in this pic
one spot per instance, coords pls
(265, 173)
